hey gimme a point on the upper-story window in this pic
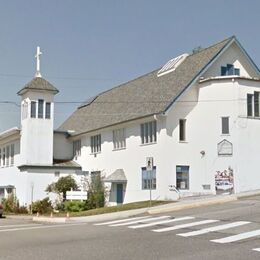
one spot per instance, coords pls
(48, 110)
(119, 138)
(225, 125)
(7, 155)
(40, 108)
(33, 109)
(76, 148)
(95, 143)
(253, 109)
(229, 70)
(148, 132)
(12, 155)
(182, 130)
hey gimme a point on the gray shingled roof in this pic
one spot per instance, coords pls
(141, 97)
(38, 83)
(117, 176)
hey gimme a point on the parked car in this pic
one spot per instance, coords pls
(1, 210)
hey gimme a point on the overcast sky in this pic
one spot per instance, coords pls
(91, 46)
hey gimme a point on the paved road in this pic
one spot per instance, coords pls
(228, 231)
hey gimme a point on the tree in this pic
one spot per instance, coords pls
(62, 185)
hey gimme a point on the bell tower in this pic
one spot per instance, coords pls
(37, 116)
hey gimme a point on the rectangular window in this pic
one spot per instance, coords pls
(148, 179)
(7, 155)
(119, 138)
(33, 109)
(76, 148)
(148, 132)
(3, 157)
(230, 69)
(256, 103)
(182, 177)
(223, 71)
(225, 125)
(48, 110)
(96, 143)
(12, 155)
(249, 105)
(182, 129)
(237, 72)
(40, 108)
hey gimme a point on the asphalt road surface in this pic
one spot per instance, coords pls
(227, 231)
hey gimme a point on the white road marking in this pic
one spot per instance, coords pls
(160, 222)
(192, 224)
(256, 249)
(39, 227)
(212, 229)
(120, 220)
(20, 225)
(136, 221)
(238, 237)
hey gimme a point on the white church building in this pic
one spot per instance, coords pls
(196, 121)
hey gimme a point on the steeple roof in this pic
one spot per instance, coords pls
(38, 83)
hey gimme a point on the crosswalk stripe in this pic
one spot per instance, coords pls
(256, 249)
(192, 224)
(136, 221)
(212, 229)
(160, 222)
(238, 237)
(120, 220)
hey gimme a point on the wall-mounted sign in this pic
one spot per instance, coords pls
(225, 148)
(149, 163)
(224, 181)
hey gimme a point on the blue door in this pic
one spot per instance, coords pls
(119, 193)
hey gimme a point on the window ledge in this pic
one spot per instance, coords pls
(148, 144)
(225, 134)
(119, 149)
(95, 153)
(183, 142)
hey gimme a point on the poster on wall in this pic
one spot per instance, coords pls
(224, 181)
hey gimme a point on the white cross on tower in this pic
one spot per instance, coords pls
(37, 56)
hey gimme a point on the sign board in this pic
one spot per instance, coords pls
(225, 148)
(76, 195)
(149, 163)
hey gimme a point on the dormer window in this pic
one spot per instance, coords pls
(229, 70)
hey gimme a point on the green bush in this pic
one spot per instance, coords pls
(75, 206)
(11, 205)
(96, 193)
(42, 206)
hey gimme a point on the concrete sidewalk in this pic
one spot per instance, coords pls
(184, 203)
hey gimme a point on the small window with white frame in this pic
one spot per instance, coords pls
(95, 143)
(182, 130)
(12, 155)
(33, 109)
(149, 132)
(119, 138)
(47, 110)
(225, 125)
(7, 155)
(76, 148)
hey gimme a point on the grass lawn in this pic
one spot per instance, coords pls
(135, 205)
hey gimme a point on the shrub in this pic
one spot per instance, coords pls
(75, 206)
(10, 203)
(96, 192)
(42, 206)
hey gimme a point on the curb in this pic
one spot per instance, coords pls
(193, 204)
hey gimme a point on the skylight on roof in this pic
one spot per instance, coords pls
(171, 65)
